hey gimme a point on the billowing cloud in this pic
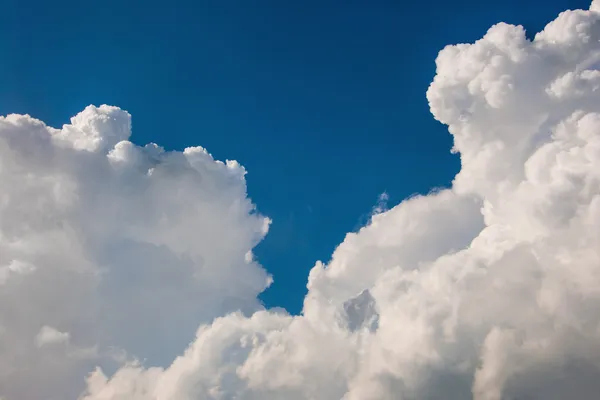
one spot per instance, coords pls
(488, 290)
(111, 252)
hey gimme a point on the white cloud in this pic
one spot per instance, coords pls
(488, 290)
(49, 336)
(126, 248)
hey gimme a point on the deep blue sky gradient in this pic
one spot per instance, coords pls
(322, 101)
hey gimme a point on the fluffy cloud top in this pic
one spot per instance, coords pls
(111, 253)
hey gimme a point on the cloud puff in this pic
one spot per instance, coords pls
(488, 290)
(110, 251)
(49, 336)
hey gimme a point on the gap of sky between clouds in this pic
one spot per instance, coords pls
(323, 102)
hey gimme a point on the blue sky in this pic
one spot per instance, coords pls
(322, 101)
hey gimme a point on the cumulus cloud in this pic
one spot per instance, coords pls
(111, 252)
(487, 290)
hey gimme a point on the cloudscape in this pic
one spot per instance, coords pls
(127, 272)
